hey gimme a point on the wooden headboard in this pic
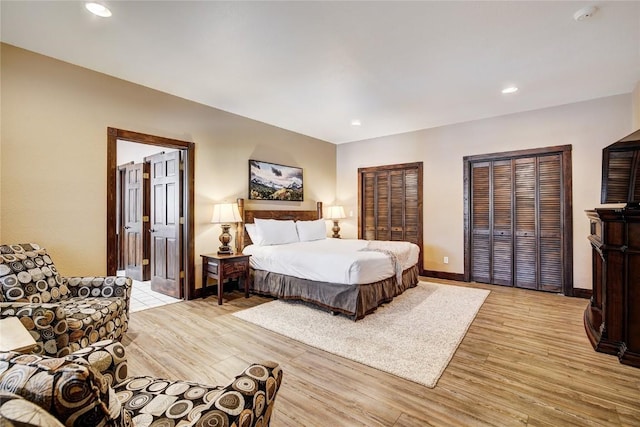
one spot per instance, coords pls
(248, 215)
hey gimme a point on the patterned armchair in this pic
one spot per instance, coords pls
(91, 388)
(62, 314)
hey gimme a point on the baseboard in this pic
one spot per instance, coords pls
(197, 293)
(582, 293)
(443, 275)
(577, 292)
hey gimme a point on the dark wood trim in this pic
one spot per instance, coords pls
(518, 153)
(567, 230)
(390, 167)
(466, 215)
(566, 194)
(582, 293)
(113, 134)
(443, 275)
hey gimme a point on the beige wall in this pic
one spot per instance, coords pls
(587, 126)
(53, 167)
(53, 119)
(636, 107)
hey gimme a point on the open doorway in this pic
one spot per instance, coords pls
(164, 238)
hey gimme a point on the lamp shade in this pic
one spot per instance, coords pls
(225, 213)
(335, 212)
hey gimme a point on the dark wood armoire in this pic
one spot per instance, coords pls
(612, 318)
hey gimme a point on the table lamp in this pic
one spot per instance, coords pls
(335, 213)
(224, 214)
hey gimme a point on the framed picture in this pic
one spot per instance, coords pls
(270, 181)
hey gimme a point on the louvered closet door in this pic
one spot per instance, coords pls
(368, 226)
(383, 207)
(516, 222)
(391, 203)
(525, 222)
(550, 223)
(492, 245)
(502, 190)
(409, 217)
(481, 223)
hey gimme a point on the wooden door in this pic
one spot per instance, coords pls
(390, 204)
(492, 231)
(135, 222)
(550, 227)
(481, 223)
(525, 221)
(166, 231)
(120, 217)
(502, 222)
(538, 215)
(517, 220)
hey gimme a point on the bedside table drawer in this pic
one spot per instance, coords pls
(234, 267)
(212, 267)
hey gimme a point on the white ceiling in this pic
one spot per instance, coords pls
(312, 67)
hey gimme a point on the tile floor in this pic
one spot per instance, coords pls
(142, 297)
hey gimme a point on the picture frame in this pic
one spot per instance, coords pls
(272, 181)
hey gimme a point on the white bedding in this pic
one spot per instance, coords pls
(331, 260)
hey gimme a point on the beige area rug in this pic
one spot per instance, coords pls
(414, 337)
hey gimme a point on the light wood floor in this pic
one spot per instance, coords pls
(525, 361)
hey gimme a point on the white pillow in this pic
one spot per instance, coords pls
(252, 231)
(311, 230)
(276, 232)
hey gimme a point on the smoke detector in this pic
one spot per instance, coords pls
(585, 13)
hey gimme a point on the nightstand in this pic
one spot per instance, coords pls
(221, 267)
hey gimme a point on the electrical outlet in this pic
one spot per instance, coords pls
(446, 260)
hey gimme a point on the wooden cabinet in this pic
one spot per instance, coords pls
(612, 318)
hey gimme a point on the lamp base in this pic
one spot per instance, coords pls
(225, 239)
(336, 230)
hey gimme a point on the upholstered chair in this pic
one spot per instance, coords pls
(63, 314)
(91, 387)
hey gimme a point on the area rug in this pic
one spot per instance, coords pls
(414, 337)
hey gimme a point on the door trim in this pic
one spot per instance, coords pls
(567, 209)
(188, 250)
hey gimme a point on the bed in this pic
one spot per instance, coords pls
(361, 275)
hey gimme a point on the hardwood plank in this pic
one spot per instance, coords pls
(525, 360)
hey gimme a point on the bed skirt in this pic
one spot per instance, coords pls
(355, 301)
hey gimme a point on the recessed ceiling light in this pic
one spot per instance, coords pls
(510, 89)
(356, 122)
(98, 9)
